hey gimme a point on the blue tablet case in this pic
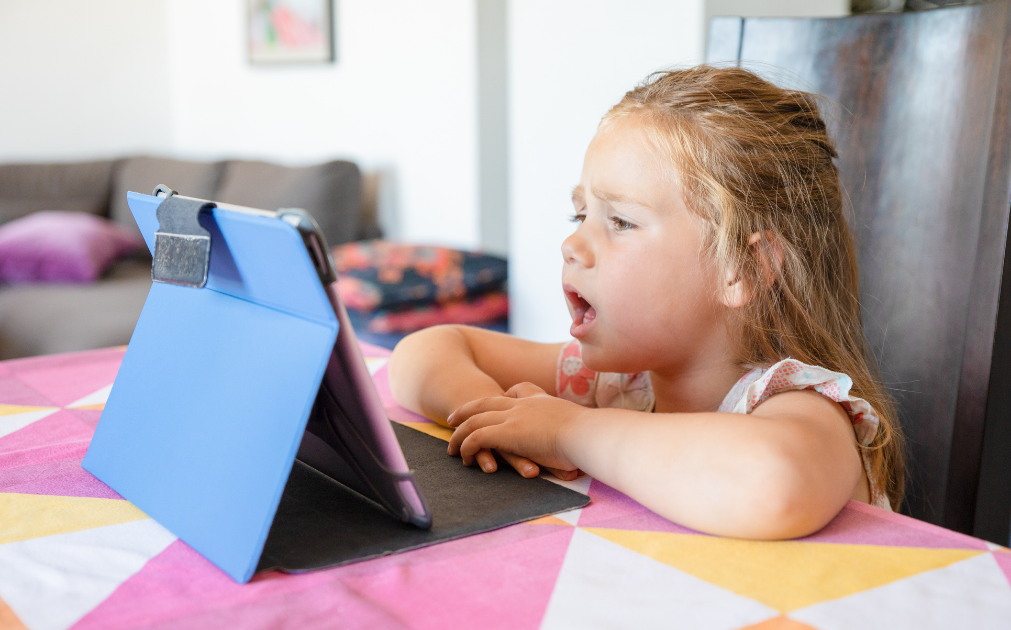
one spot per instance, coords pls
(205, 419)
(261, 331)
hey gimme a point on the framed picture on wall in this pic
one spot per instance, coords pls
(290, 31)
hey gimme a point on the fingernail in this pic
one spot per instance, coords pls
(529, 471)
(486, 466)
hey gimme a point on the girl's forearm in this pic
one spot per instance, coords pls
(725, 474)
(432, 372)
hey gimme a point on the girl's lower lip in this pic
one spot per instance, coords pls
(581, 328)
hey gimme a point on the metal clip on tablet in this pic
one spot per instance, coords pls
(182, 248)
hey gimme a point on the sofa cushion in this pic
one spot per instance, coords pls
(47, 318)
(80, 187)
(142, 174)
(380, 275)
(329, 192)
(59, 246)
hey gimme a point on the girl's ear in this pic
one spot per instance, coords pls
(737, 290)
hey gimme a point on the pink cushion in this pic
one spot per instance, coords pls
(57, 246)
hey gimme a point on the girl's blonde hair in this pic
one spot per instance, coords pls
(752, 157)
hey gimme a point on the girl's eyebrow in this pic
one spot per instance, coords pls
(579, 197)
(618, 198)
(577, 194)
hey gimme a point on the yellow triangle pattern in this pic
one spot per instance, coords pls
(10, 410)
(785, 575)
(548, 520)
(435, 430)
(26, 516)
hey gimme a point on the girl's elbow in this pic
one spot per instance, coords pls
(782, 500)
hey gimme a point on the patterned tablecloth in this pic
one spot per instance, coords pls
(73, 553)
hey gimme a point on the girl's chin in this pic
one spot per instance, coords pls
(603, 359)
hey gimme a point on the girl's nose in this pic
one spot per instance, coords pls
(576, 250)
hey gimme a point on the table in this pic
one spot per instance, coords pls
(73, 553)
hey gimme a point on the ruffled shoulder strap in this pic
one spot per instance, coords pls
(789, 374)
(573, 380)
(578, 383)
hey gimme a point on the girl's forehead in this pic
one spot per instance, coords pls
(624, 161)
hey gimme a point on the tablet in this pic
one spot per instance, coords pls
(348, 436)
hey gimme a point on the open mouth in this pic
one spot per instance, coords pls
(583, 313)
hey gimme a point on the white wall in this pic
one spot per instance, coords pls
(569, 61)
(401, 98)
(82, 80)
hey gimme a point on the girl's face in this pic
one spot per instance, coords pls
(639, 292)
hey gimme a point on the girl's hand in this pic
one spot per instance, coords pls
(523, 426)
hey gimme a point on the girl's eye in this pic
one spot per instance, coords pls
(579, 217)
(621, 224)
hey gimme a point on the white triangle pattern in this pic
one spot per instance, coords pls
(51, 582)
(375, 364)
(95, 398)
(971, 593)
(604, 585)
(15, 421)
(579, 484)
(571, 517)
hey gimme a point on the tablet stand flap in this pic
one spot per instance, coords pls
(202, 425)
(322, 524)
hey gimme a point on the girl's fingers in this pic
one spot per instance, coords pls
(524, 390)
(564, 475)
(486, 460)
(474, 407)
(481, 438)
(523, 466)
(464, 431)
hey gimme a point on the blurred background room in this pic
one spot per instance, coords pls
(455, 125)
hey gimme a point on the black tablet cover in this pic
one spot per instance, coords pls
(321, 523)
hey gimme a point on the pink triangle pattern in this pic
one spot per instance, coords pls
(64, 478)
(60, 435)
(1004, 562)
(179, 585)
(614, 510)
(63, 381)
(15, 392)
(440, 587)
(372, 351)
(862, 524)
(89, 417)
(419, 589)
(84, 359)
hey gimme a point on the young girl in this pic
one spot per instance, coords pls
(719, 373)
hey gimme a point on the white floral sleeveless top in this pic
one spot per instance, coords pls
(579, 384)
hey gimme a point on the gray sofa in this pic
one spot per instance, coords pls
(49, 318)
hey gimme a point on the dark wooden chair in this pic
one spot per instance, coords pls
(920, 107)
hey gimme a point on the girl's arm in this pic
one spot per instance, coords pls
(436, 370)
(783, 471)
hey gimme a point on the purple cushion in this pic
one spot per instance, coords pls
(57, 246)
